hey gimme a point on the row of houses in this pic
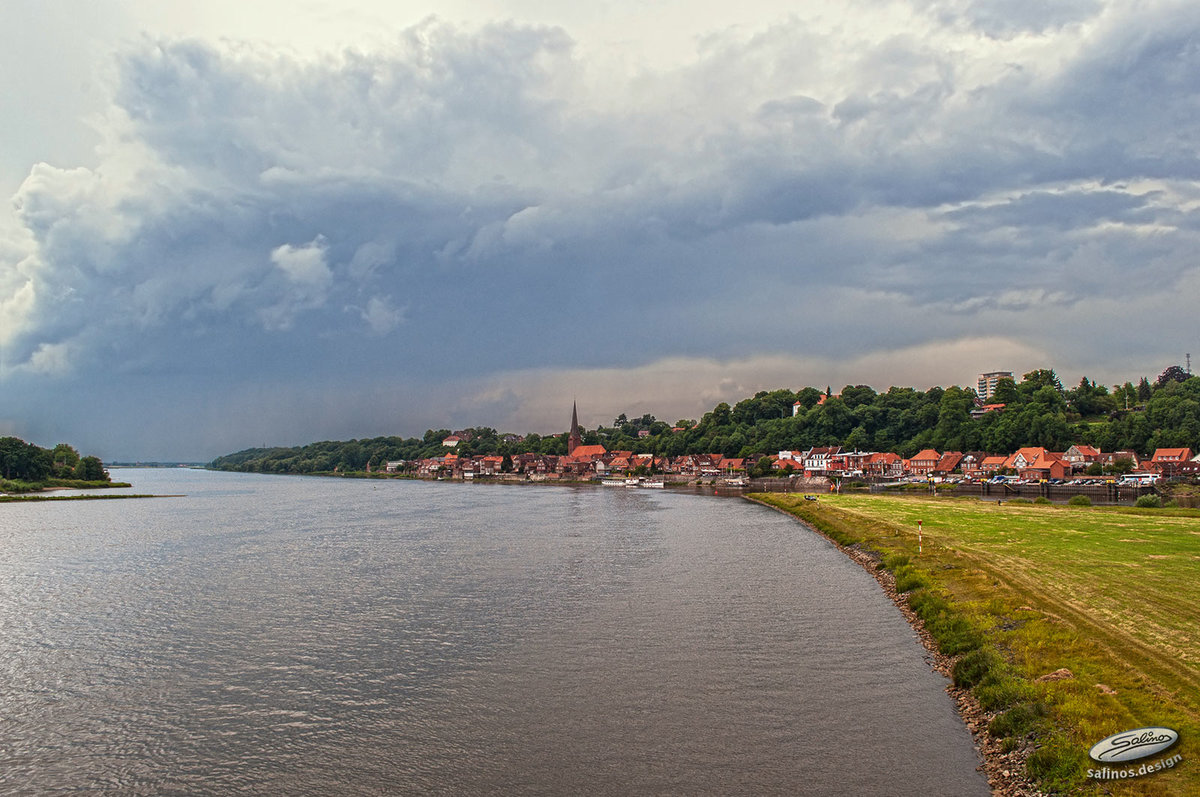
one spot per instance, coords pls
(1026, 463)
(586, 462)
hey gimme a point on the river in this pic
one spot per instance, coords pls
(305, 636)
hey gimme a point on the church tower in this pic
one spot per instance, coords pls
(575, 438)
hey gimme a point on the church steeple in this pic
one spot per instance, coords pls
(575, 437)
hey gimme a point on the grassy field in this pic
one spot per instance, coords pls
(1022, 590)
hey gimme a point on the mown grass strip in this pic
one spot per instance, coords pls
(1019, 592)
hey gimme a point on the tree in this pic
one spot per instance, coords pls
(764, 406)
(1005, 392)
(720, 416)
(1034, 381)
(1091, 399)
(91, 469)
(808, 397)
(435, 436)
(761, 469)
(857, 440)
(65, 459)
(954, 412)
(1121, 466)
(1173, 373)
(1126, 395)
(25, 461)
(12, 457)
(855, 395)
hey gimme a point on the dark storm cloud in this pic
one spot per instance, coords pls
(378, 229)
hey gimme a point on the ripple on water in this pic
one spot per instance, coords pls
(270, 635)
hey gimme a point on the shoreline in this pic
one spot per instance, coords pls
(1003, 771)
(36, 498)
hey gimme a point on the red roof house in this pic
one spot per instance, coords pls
(1169, 461)
(947, 463)
(1046, 466)
(923, 463)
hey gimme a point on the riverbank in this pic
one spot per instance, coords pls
(12, 499)
(1059, 625)
(17, 487)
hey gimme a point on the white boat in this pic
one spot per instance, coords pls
(656, 484)
(613, 482)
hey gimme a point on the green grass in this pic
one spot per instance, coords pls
(18, 486)
(1025, 589)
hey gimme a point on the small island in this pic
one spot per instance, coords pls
(27, 469)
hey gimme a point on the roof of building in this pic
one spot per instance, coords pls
(588, 451)
(949, 461)
(822, 451)
(1044, 461)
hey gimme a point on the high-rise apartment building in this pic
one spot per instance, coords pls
(987, 383)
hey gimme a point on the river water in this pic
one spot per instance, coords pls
(302, 636)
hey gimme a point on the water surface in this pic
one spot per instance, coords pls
(287, 635)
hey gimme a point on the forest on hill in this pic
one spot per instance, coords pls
(1038, 411)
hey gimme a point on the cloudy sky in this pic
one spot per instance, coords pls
(273, 223)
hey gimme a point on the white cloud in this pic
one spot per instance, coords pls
(381, 316)
(304, 265)
(52, 359)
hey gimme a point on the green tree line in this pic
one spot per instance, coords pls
(26, 462)
(1038, 411)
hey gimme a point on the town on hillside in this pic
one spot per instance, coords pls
(1002, 430)
(1079, 463)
